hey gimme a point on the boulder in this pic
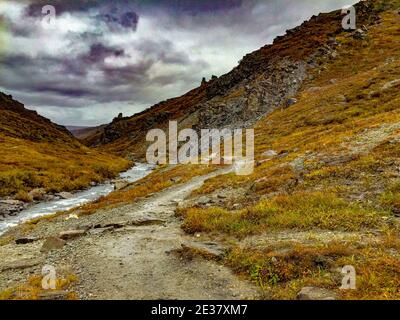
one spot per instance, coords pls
(26, 240)
(37, 194)
(52, 243)
(120, 184)
(359, 34)
(12, 202)
(11, 207)
(314, 293)
(391, 84)
(290, 102)
(71, 234)
(65, 195)
(270, 153)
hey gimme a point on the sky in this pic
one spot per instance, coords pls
(97, 58)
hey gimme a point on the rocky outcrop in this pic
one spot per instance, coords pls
(264, 80)
(11, 207)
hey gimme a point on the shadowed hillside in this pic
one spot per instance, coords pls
(36, 153)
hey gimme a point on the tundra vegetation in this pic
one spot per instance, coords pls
(325, 192)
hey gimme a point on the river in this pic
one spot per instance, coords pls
(137, 172)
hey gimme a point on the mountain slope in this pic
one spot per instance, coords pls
(263, 81)
(325, 192)
(326, 189)
(36, 153)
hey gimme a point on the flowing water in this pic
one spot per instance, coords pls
(137, 172)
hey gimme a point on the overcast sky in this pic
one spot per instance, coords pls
(99, 58)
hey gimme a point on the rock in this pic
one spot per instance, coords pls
(314, 89)
(53, 295)
(298, 164)
(37, 194)
(11, 207)
(290, 102)
(209, 250)
(65, 195)
(338, 160)
(270, 153)
(205, 200)
(71, 234)
(283, 154)
(20, 264)
(391, 84)
(52, 243)
(314, 293)
(341, 98)
(334, 54)
(12, 202)
(359, 34)
(120, 184)
(26, 240)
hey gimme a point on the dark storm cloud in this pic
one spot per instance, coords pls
(114, 13)
(105, 57)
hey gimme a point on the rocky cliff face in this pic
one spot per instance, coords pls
(263, 81)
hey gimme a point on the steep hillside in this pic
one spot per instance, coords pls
(36, 153)
(264, 80)
(326, 189)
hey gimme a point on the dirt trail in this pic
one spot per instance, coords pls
(137, 262)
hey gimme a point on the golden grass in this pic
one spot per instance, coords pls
(32, 289)
(282, 273)
(301, 211)
(55, 166)
(346, 120)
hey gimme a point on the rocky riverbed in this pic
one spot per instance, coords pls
(13, 212)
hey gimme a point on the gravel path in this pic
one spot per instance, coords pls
(138, 260)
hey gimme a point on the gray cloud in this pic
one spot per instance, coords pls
(105, 57)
